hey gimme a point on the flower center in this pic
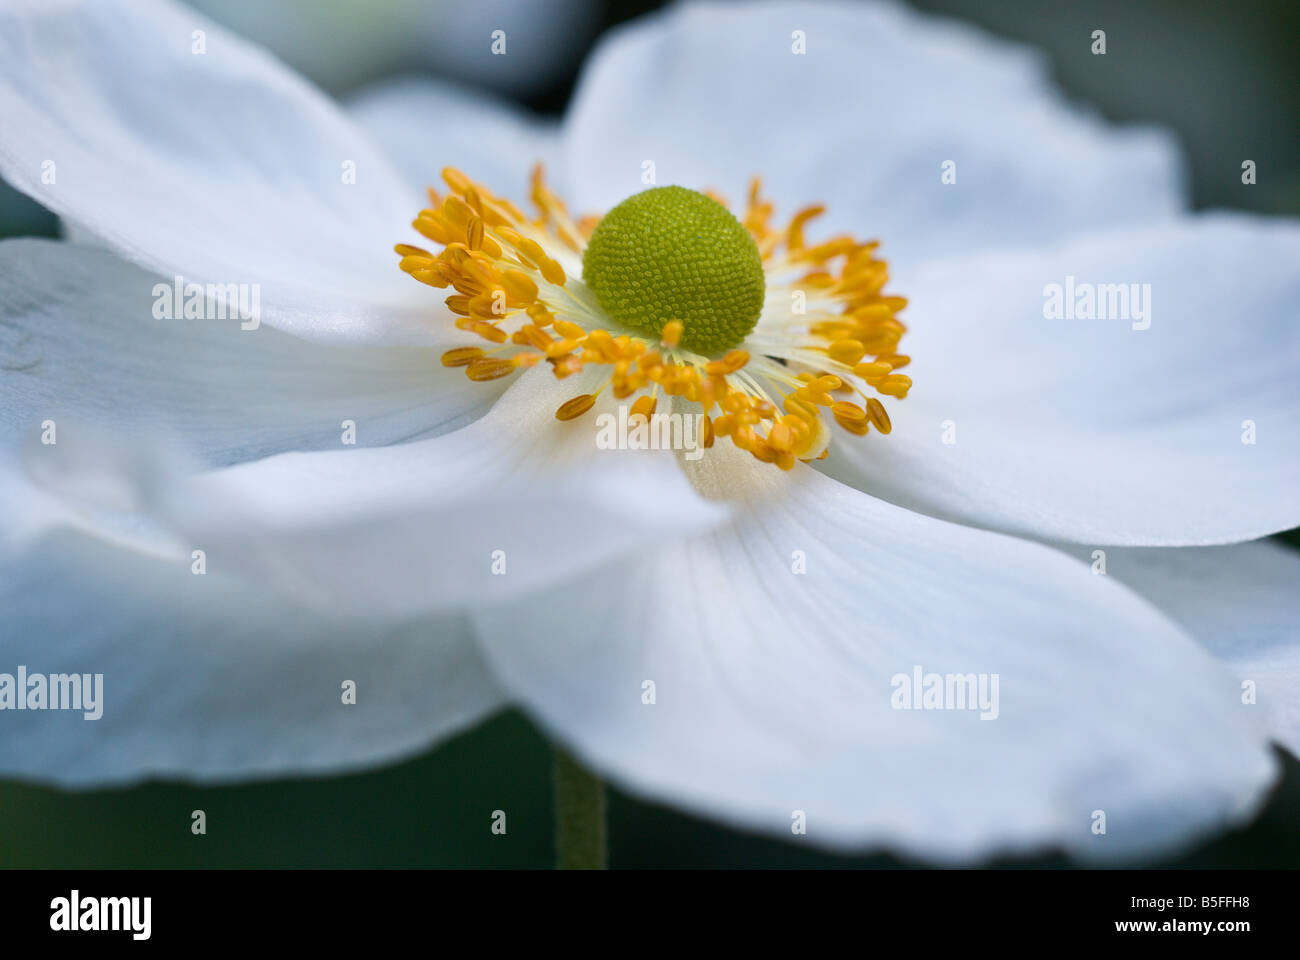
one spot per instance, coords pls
(674, 254)
(769, 338)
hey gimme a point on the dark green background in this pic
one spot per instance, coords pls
(1223, 75)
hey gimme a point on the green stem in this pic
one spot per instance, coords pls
(579, 816)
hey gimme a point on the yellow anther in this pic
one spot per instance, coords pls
(406, 250)
(781, 437)
(519, 286)
(541, 316)
(644, 406)
(482, 272)
(534, 336)
(458, 182)
(869, 312)
(733, 361)
(567, 366)
(532, 251)
(846, 351)
(870, 371)
(434, 229)
(432, 277)
(706, 432)
(489, 305)
(570, 330)
(552, 271)
(761, 450)
(858, 427)
(489, 332)
(466, 286)
(510, 210)
(560, 347)
(474, 233)
(796, 407)
(879, 419)
(844, 410)
(794, 233)
(808, 395)
(896, 385)
(456, 212)
(575, 406)
(489, 368)
(461, 356)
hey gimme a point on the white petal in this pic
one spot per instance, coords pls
(424, 126)
(220, 166)
(1241, 602)
(1090, 430)
(207, 678)
(515, 501)
(773, 690)
(864, 121)
(80, 345)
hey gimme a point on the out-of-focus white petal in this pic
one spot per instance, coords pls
(80, 345)
(337, 44)
(208, 677)
(521, 49)
(423, 126)
(864, 121)
(773, 691)
(192, 152)
(1241, 602)
(1096, 430)
(342, 43)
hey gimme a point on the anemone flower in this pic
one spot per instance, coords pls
(955, 567)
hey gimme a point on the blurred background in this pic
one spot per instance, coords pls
(1222, 74)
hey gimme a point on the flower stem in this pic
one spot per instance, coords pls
(579, 816)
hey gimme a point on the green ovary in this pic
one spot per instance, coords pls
(674, 254)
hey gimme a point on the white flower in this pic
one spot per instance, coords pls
(1120, 693)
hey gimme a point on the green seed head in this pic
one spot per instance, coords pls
(674, 254)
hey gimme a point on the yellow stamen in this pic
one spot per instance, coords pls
(461, 356)
(844, 410)
(879, 419)
(489, 368)
(644, 407)
(575, 406)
